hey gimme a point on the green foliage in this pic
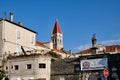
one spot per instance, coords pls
(54, 54)
(2, 74)
(52, 60)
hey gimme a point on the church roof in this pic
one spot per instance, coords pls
(57, 28)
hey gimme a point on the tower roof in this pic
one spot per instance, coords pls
(56, 28)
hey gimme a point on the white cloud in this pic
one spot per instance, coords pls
(83, 47)
(111, 42)
(107, 42)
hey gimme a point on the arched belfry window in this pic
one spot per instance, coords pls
(55, 40)
(60, 41)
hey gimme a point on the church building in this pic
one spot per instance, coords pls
(57, 36)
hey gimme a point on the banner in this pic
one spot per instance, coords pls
(94, 64)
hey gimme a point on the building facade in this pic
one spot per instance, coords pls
(14, 35)
(87, 67)
(91, 64)
(29, 67)
(57, 36)
(99, 49)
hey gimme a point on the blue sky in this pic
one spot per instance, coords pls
(79, 19)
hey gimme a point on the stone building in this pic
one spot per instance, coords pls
(14, 35)
(26, 67)
(87, 67)
(99, 49)
(65, 69)
(57, 37)
(90, 65)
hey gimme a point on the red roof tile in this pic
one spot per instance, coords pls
(111, 48)
(46, 42)
(38, 43)
(85, 51)
(56, 28)
(55, 49)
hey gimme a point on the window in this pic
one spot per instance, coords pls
(6, 67)
(60, 41)
(55, 40)
(18, 34)
(16, 67)
(29, 66)
(42, 65)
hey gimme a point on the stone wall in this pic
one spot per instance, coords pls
(66, 69)
(69, 69)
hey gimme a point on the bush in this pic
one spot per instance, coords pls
(2, 74)
(54, 54)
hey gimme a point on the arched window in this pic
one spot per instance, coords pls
(60, 40)
(55, 40)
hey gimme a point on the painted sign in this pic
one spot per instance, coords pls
(94, 64)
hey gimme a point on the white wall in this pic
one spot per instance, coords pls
(12, 42)
(35, 72)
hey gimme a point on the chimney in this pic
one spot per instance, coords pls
(20, 23)
(11, 16)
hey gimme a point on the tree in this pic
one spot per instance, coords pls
(54, 54)
(2, 73)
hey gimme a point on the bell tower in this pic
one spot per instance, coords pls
(57, 36)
